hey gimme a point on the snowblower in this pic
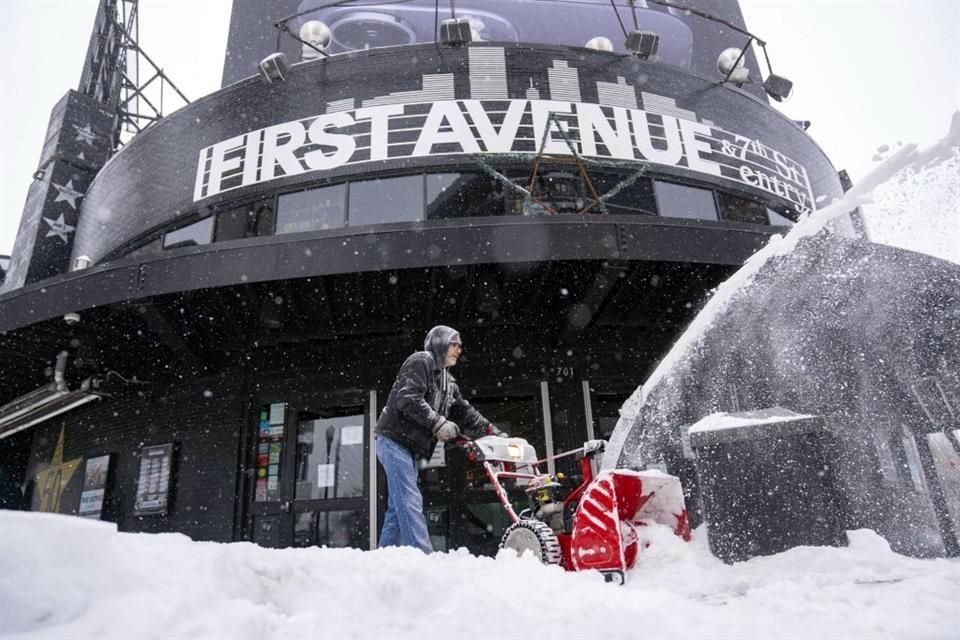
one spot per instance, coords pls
(598, 525)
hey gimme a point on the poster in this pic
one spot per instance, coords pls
(94, 487)
(326, 473)
(153, 482)
(351, 435)
(277, 410)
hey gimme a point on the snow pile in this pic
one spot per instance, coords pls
(66, 577)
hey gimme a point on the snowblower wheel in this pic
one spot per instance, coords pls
(533, 536)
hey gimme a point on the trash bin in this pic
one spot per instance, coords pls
(765, 482)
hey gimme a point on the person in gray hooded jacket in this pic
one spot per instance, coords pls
(424, 407)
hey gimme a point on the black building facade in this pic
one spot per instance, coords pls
(249, 272)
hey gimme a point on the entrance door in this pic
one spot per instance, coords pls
(311, 467)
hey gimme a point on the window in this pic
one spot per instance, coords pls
(462, 195)
(312, 210)
(191, 235)
(154, 246)
(778, 219)
(233, 224)
(913, 462)
(682, 201)
(635, 198)
(335, 529)
(329, 458)
(932, 399)
(737, 209)
(386, 200)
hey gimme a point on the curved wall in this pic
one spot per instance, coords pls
(407, 109)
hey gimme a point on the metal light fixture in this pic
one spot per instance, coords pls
(642, 44)
(46, 402)
(730, 64)
(455, 32)
(274, 68)
(599, 43)
(778, 87)
(316, 37)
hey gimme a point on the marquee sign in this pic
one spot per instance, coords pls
(421, 108)
(622, 126)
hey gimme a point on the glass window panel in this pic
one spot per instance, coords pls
(312, 210)
(682, 201)
(386, 200)
(462, 195)
(737, 209)
(266, 220)
(330, 458)
(330, 529)
(191, 235)
(270, 427)
(151, 247)
(779, 220)
(632, 199)
(233, 224)
(554, 191)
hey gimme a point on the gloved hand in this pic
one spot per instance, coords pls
(492, 430)
(446, 431)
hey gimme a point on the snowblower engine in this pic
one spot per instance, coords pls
(597, 525)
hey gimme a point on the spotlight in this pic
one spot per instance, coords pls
(778, 87)
(600, 43)
(730, 65)
(81, 262)
(642, 43)
(274, 68)
(318, 35)
(455, 31)
(71, 318)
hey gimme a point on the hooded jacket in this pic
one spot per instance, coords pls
(424, 395)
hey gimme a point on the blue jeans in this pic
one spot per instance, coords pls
(404, 523)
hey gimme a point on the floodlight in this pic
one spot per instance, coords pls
(274, 68)
(643, 44)
(730, 64)
(778, 87)
(599, 43)
(455, 32)
(318, 36)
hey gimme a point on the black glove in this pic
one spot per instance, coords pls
(446, 431)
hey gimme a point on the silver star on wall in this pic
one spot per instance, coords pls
(58, 228)
(85, 134)
(67, 193)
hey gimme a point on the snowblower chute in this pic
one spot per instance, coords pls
(596, 525)
(608, 524)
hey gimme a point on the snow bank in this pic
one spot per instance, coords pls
(64, 577)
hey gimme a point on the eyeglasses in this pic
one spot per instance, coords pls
(458, 345)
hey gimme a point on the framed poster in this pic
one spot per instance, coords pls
(94, 487)
(153, 482)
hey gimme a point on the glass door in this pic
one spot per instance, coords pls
(309, 477)
(330, 471)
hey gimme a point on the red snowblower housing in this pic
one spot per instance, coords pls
(598, 525)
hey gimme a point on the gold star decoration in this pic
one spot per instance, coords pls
(51, 482)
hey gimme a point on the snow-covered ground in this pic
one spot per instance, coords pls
(64, 577)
